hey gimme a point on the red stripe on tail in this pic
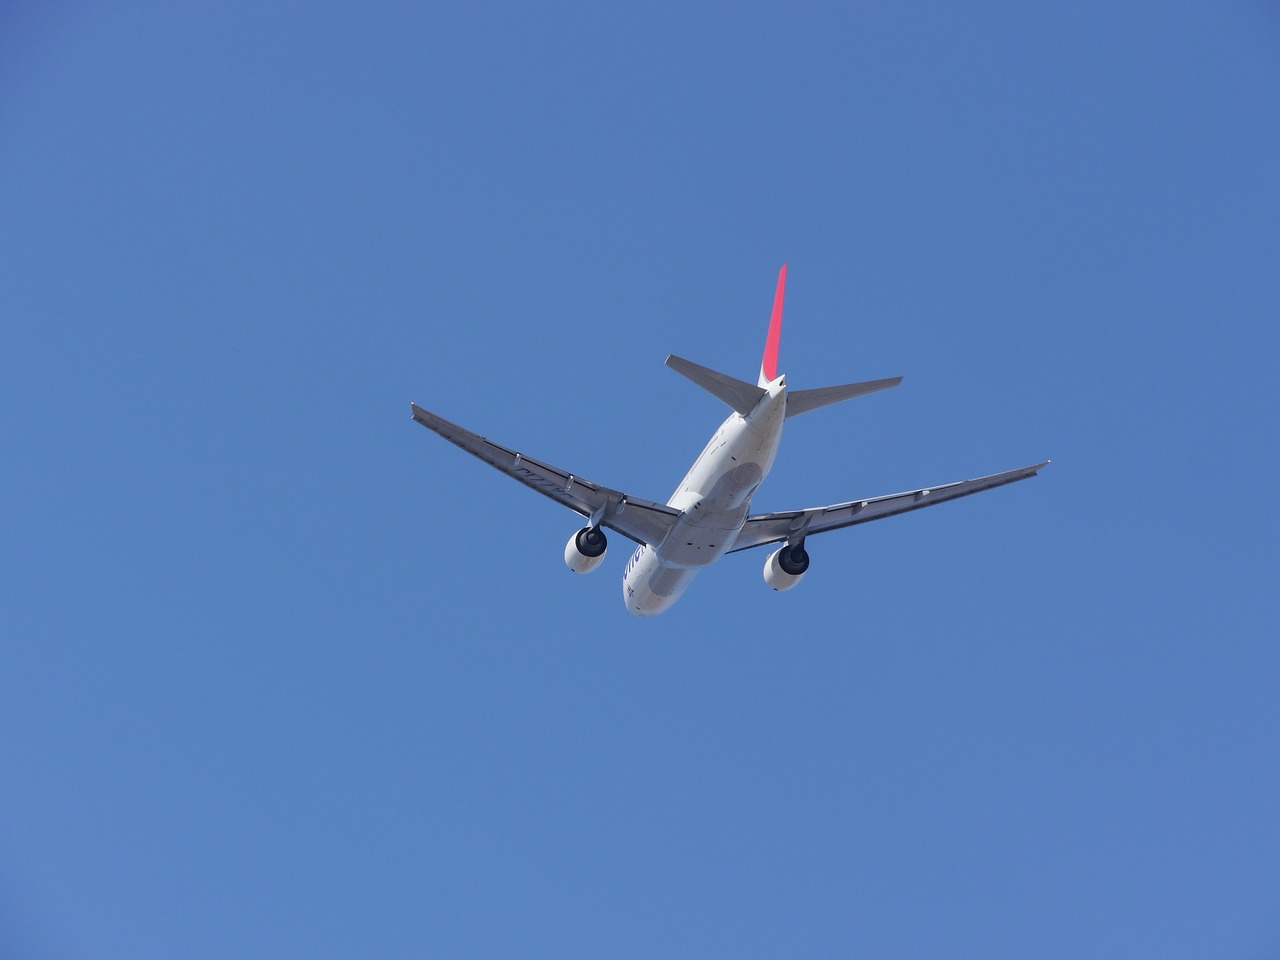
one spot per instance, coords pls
(769, 367)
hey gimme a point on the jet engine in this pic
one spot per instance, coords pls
(785, 567)
(585, 550)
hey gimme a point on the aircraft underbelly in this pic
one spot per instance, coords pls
(697, 544)
(714, 500)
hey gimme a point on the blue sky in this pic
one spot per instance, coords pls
(286, 675)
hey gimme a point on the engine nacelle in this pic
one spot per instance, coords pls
(585, 550)
(785, 567)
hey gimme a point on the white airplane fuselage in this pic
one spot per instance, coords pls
(714, 500)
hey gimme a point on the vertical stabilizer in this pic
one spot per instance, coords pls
(769, 366)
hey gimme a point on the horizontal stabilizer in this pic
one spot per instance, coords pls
(739, 394)
(802, 401)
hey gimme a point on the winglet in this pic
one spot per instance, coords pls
(769, 366)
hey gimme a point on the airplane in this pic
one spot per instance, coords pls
(709, 515)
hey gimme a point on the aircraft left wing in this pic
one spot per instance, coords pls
(640, 520)
(776, 527)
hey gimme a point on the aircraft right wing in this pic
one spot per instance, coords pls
(640, 520)
(776, 527)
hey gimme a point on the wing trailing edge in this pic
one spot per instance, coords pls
(766, 528)
(640, 520)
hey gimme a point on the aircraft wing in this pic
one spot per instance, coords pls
(776, 527)
(640, 520)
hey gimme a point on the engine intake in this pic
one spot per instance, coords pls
(585, 550)
(786, 567)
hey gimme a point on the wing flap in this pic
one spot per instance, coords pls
(775, 527)
(640, 520)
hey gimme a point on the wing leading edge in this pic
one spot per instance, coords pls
(775, 527)
(640, 520)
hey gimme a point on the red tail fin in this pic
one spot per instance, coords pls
(769, 366)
